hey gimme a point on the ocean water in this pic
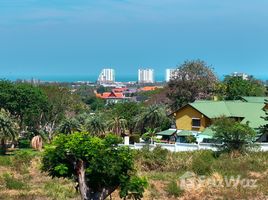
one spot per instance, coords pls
(93, 78)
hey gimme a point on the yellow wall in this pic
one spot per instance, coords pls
(184, 119)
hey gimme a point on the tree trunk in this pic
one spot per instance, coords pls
(81, 175)
(85, 191)
(3, 148)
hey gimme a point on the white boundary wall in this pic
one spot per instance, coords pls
(177, 147)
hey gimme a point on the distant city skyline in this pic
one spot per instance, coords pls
(64, 38)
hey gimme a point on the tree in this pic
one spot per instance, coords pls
(127, 111)
(8, 130)
(95, 126)
(99, 166)
(25, 102)
(264, 128)
(192, 80)
(69, 125)
(153, 117)
(237, 87)
(233, 135)
(61, 103)
(117, 124)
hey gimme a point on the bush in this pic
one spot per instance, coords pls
(24, 143)
(173, 189)
(153, 159)
(134, 139)
(12, 183)
(202, 162)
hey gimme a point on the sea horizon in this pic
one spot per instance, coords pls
(93, 78)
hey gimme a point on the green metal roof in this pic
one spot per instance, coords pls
(250, 112)
(184, 133)
(208, 132)
(254, 99)
(168, 132)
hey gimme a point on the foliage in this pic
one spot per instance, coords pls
(237, 87)
(152, 117)
(107, 166)
(190, 139)
(8, 130)
(68, 126)
(173, 189)
(202, 162)
(24, 143)
(95, 125)
(118, 125)
(233, 135)
(128, 111)
(24, 101)
(264, 128)
(153, 159)
(192, 80)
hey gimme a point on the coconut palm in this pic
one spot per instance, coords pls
(8, 130)
(151, 118)
(117, 124)
(69, 125)
(95, 125)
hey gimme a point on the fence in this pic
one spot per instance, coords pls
(186, 147)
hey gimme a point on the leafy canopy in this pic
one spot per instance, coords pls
(233, 135)
(106, 164)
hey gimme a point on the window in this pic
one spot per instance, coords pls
(196, 122)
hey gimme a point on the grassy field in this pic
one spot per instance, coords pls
(184, 175)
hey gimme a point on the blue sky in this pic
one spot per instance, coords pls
(79, 37)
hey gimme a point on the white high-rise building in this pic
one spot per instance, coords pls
(169, 74)
(107, 76)
(146, 76)
(244, 76)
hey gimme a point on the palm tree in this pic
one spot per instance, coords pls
(8, 130)
(151, 118)
(117, 125)
(95, 125)
(69, 125)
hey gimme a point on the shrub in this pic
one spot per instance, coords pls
(234, 136)
(173, 189)
(13, 183)
(24, 143)
(153, 159)
(134, 139)
(202, 162)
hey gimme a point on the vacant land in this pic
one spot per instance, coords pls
(185, 175)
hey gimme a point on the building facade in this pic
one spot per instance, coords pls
(146, 76)
(169, 74)
(107, 76)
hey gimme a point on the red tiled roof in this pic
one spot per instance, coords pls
(108, 95)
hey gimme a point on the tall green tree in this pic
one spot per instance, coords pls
(117, 125)
(128, 111)
(69, 125)
(24, 101)
(191, 81)
(235, 87)
(152, 117)
(8, 130)
(233, 135)
(99, 166)
(95, 125)
(61, 104)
